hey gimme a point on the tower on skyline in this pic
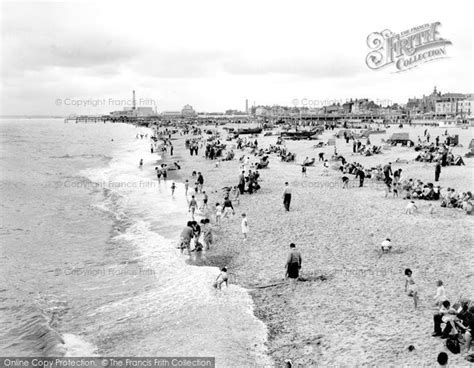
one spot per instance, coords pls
(133, 101)
(246, 106)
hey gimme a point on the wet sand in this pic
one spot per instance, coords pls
(359, 315)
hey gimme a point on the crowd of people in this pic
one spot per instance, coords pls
(451, 323)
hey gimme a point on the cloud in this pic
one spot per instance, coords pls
(296, 67)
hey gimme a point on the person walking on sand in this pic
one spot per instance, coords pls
(236, 195)
(218, 213)
(245, 226)
(437, 170)
(192, 206)
(387, 171)
(361, 175)
(200, 181)
(287, 197)
(410, 287)
(173, 187)
(293, 265)
(207, 234)
(140, 165)
(228, 208)
(186, 187)
(204, 200)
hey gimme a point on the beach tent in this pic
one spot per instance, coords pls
(340, 134)
(403, 138)
(471, 149)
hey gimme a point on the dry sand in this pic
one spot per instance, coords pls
(360, 315)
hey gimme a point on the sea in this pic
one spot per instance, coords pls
(88, 257)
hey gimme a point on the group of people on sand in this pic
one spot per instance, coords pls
(455, 323)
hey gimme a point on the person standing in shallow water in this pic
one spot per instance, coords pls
(293, 265)
(287, 197)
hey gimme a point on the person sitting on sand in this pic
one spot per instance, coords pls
(221, 279)
(345, 182)
(410, 287)
(386, 245)
(445, 314)
(411, 208)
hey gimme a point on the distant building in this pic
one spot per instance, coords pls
(425, 104)
(134, 111)
(234, 112)
(453, 104)
(466, 107)
(347, 107)
(188, 111)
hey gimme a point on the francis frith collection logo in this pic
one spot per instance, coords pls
(407, 49)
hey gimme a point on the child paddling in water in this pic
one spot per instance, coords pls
(221, 279)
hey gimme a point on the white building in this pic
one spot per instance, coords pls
(465, 107)
(459, 107)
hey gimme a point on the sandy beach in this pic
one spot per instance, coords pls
(359, 314)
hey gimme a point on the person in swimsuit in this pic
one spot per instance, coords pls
(204, 200)
(221, 279)
(245, 226)
(192, 206)
(158, 174)
(218, 213)
(410, 286)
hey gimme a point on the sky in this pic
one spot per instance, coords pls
(59, 58)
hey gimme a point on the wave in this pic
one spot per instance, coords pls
(84, 155)
(35, 335)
